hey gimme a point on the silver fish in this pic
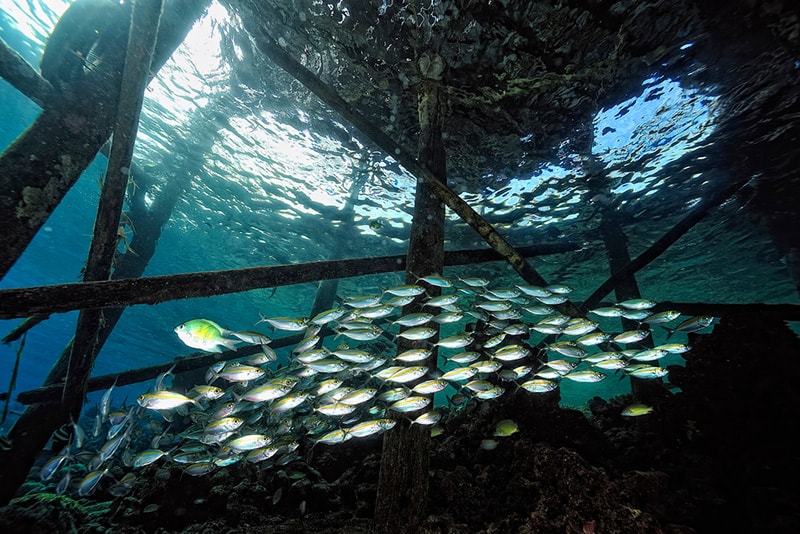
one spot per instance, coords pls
(418, 333)
(414, 355)
(408, 374)
(249, 442)
(457, 341)
(90, 481)
(460, 373)
(539, 385)
(410, 404)
(631, 336)
(163, 400)
(637, 304)
(405, 291)
(585, 376)
(414, 319)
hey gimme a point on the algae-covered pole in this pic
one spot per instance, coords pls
(143, 31)
(326, 291)
(267, 45)
(613, 235)
(23, 327)
(128, 290)
(616, 242)
(403, 479)
(18, 72)
(34, 427)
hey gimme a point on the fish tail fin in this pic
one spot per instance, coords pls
(263, 319)
(230, 343)
(269, 352)
(669, 330)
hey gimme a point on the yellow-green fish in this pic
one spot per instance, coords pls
(205, 335)
(506, 427)
(635, 410)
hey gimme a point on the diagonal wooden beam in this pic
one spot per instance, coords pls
(270, 48)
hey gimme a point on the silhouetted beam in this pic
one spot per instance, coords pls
(23, 302)
(787, 312)
(187, 363)
(655, 250)
(19, 73)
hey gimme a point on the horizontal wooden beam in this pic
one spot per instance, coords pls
(52, 393)
(786, 312)
(24, 302)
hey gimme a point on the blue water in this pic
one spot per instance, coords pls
(271, 188)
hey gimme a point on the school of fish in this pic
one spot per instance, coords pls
(345, 379)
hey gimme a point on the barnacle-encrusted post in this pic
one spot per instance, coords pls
(145, 19)
(34, 427)
(403, 479)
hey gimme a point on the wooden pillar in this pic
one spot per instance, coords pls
(145, 19)
(403, 482)
(32, 430)
(695, 215)
(326, 291)
(616, 241)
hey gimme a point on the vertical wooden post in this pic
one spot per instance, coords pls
(145, 18)
(326, 291)
(613, 235)
(34, 427)
(270, 48)
(403, 481)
